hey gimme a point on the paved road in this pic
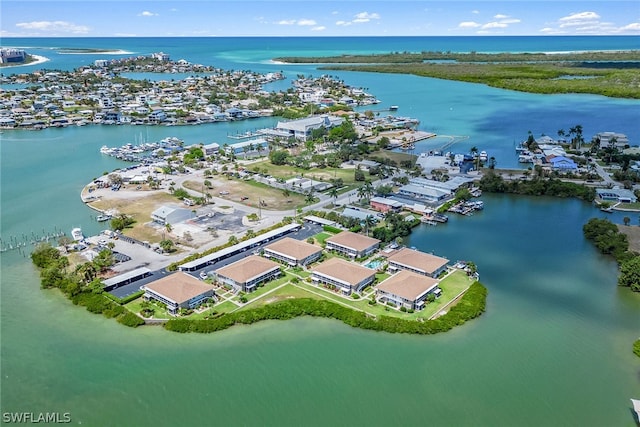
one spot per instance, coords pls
(305, 232)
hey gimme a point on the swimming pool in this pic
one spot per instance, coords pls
(375, 264)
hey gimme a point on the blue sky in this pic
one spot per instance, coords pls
(114, 18)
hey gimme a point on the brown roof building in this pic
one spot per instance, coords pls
(418, 262)
(178, 290)
(352, 244)
(293, 252)
(407, 289)
(343, 275)
(246, 274)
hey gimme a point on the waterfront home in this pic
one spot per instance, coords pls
(561, 163)
(418, 262)
(169, 215)
(351, 244)
(293, 252)
(245, 275)
(12, 55)
(620, 140)
(384, 205)
(345, 276)
(407, 289)
(616, 194)
(179, 290)
(211, 149)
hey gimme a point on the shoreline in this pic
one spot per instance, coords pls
(39, 60)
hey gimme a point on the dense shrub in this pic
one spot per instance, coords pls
(636, 348)
(130, 319)
(471, 305)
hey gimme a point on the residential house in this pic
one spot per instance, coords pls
(351, 244)
(178, 290)
(245, 275)
(407, 289)
(418, 262)
(293, 252)
(385, 205)
(345, 276)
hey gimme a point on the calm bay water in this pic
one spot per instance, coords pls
(552, 349)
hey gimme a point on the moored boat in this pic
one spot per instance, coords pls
(76, 234)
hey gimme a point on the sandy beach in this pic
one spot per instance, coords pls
(39, 60)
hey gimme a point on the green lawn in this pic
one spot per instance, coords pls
(321, 237)
(288, 291)
(135, 307)
(451, 287)
(272, 284)
(287, 172)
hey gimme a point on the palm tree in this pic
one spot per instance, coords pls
(369, 221)
(310, 198)
(333, 193)
(87, 271)
(233, 239)
(474, 153)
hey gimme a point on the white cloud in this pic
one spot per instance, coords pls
(491, 25)
(147, 13)
(500, 16)
(319, 28)
(54, 27)
(468, 24)
(580, 16)
(475, 12)
(359, 18)
(307, 22)
(633, 27)
(287, 22)
(510, 21)
(367, 15)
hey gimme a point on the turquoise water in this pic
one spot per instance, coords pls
(374, 264)
(553, 348)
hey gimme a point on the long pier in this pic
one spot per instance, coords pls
(27, 240)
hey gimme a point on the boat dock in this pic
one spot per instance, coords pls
(466, 208)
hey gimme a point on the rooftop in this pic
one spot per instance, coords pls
(344, 271)
(408, 285)
(293, 248)
(248, 268)
(178, 287)
(353, 240)
(418, 260)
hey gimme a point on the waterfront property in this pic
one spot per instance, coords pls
(352, 244)
(418, 262)
(245, 275)
(177, 291)
(615, 194)
(342, 275)
(293, 252)
(170, 215)
(407, 289)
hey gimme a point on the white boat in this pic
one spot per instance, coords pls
(76, 234)
(636, 408)
(483, 156)
(103, 218)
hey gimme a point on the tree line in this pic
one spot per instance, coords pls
(471, 305)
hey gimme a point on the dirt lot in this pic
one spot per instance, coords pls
(272, 198)
(633, 234)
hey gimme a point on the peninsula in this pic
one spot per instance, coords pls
(613, 74)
